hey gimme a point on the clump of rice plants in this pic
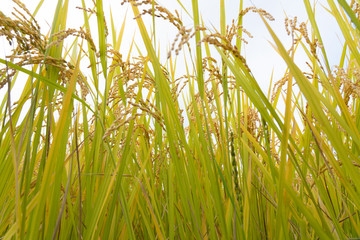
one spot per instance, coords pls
(103, 144)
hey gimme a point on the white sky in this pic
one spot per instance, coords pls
(261, 57)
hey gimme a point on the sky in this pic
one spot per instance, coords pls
(261, 57)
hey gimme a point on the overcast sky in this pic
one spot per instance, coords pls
(261, 57)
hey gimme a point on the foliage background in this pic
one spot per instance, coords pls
(109, 144)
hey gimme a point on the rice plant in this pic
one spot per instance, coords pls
(102, 144)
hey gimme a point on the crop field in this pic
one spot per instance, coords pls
(97, 143)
